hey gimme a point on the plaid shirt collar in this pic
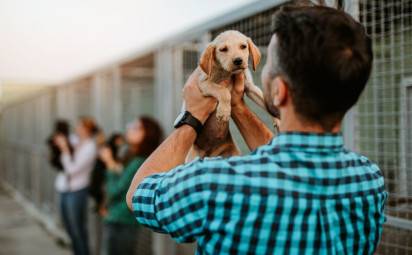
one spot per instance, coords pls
(308, 142)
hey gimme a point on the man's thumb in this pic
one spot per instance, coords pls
(239, 79)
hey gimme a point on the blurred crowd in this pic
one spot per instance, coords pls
(91, 164)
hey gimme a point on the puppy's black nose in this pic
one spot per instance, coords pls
(237, 61)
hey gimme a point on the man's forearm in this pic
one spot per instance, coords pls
(253, 130)
(171, 153)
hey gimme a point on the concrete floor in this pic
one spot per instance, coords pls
(20, 234)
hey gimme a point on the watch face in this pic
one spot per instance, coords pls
(178, 119)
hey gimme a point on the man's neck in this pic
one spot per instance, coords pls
(294, 124)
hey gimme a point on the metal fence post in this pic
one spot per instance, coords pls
(167, 66)
(117, 98)
(96, 96)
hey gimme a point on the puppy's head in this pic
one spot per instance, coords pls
(230, 50)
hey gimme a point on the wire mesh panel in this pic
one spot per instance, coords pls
(83, 98)
(137, 98)
(65, 101)
(25, 127)
(188, 58)
(384, 112)
(258, 27)
(167, 81)
(103, 100)
(190, 61)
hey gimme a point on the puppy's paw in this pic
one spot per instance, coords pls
(223, 112)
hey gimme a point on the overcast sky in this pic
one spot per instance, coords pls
(51, 40)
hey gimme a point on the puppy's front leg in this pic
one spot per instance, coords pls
(253, 91)
(256, 94)
(222, 94)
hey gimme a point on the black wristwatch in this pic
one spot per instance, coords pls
(186, 118)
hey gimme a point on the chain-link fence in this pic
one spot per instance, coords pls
(379, 126)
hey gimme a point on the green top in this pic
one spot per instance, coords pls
(117, 185)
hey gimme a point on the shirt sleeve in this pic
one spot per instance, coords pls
(81, 161)
(174, 202)
(118, 184)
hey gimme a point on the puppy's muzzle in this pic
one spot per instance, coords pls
(238, 62)
(238, 65)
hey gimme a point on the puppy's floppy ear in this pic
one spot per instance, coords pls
(207, 59)
(254, 53)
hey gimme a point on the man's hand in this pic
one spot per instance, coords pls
(197, 104)
(253, 130)
(238, 91)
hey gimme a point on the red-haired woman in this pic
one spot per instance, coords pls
(142, 137)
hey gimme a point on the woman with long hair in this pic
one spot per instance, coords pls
(142, 137)
(72, 183)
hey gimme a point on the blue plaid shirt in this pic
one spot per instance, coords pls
(300, 194)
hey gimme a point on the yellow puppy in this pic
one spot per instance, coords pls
(226, 55)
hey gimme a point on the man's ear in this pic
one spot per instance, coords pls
(281, 91)
(254, 53)
(207, 59)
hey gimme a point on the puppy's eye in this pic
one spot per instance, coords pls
(224, 49)
(243, 46)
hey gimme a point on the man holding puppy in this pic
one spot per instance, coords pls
(298, 193)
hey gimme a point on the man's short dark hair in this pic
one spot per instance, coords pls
(325, 57)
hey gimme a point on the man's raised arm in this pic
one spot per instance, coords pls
(172, 152)
(253, 130)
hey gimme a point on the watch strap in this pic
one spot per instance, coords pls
(189, 119)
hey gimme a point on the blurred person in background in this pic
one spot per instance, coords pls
(73, 182)
(61, 127)
(142, 137)
(98, 176)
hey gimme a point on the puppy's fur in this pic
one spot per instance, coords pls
(226, 55)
